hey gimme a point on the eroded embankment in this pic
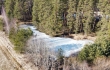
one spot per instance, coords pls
(19, 61)
(5, 63)
(11, 59)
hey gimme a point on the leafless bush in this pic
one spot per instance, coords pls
(41, 54)
(102, 63)
(72, 63)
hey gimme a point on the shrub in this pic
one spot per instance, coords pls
(19, 38)
(90, 52)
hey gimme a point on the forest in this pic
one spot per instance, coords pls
(56, 17)
(64, 17)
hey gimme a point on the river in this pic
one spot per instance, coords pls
(68, 45)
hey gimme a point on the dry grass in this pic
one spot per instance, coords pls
(74, 64)
(101, 63)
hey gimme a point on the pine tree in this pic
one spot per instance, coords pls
(27, 9)
(88, 19)
(9, 7)
(71, 17)
(1, 3)
(18, 12)
(35, 13)
(23, 10)
(79, 23)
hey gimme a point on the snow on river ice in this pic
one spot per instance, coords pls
(68, 45)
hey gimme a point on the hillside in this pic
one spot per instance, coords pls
(19, 61)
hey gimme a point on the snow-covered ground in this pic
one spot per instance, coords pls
(68, 45)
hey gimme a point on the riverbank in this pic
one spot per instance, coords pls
(72, 36)
(82, 37)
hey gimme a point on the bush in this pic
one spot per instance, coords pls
(19, 39)
(90, 52)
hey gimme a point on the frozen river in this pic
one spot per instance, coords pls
(68, 45)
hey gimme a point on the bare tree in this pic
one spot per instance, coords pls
(41, 55)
